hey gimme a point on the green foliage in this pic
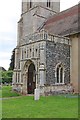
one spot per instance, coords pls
(6, 76)
(12, 60)
(7, 92)
(0, 78)
(0, 93)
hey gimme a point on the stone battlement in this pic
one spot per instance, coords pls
(43, 35)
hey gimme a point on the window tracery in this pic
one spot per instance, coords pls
(59, 74)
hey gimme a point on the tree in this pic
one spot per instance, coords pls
(12, 60)
(0, 78)
(7, 76)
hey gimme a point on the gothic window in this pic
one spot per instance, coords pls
(22, 53)
(30, 52)
(19, 64)
(36, 52)
(30, 4)
(59, 74)
(48, 3)
(16, 77)
(45, 36)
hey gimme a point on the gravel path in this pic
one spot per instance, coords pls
(15, 97)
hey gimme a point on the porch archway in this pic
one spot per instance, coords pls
(31, 83)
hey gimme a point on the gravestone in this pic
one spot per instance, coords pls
(37, 94)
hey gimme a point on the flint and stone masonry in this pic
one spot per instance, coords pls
(42, 60)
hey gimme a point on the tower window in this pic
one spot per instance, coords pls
(30, 4)
(30, 52)
(48, 3)
(36, 52)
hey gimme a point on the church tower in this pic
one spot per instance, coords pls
(34, 14)
(50, 4)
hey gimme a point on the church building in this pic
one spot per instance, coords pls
(47, 51)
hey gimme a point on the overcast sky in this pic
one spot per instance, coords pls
(10, 11)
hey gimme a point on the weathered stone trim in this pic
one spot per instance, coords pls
(56, 89)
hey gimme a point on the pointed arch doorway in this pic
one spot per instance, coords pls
(31, 83)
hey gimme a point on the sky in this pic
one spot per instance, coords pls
(10, 11)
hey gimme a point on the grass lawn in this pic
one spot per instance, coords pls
(0, 93)
(46, 107)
